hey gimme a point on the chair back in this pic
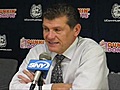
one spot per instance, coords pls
(8, 68)
(114, 81)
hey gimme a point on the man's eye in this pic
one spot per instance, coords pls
(57, 30)
(46, 29)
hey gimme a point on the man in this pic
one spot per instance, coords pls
(84, 66)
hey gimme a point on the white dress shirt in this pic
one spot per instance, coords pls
(84, 66)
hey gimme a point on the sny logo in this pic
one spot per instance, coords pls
(39, 64)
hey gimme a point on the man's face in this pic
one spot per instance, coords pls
(58, 35)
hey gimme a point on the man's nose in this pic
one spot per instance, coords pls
(51, 35)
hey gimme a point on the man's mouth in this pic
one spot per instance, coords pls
(53, 42)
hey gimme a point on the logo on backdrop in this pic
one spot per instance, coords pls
(113, 47)
(3, 43)
(115, 11)
(115, 14)
(35, 13)
(7, 13)
(84, 12)
(29, 43)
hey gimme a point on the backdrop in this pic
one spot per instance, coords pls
(21, 26)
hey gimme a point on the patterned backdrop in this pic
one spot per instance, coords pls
(21, 26)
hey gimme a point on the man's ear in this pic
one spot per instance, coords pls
(77, 29)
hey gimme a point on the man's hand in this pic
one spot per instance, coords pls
(24, 79)
(102, 44)
(61, 86)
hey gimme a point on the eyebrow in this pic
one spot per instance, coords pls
(56, 26)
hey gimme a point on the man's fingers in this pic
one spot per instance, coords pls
(29, 74)
(23, 79)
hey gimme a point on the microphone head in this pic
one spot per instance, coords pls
(45, 56)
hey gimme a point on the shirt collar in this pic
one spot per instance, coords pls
(70, 51)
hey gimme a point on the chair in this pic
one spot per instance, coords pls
(8, 68)
(114, 81)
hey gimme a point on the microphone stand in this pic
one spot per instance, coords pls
(32, 86)
(40, 83)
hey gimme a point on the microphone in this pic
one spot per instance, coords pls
(40, 67)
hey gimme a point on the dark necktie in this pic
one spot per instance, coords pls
(56, 76)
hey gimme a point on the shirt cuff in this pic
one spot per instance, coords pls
(47, 86)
